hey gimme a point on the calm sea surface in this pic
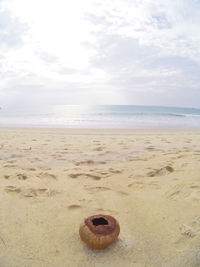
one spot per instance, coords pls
(115, 116)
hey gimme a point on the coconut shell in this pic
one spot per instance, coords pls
(99, 231)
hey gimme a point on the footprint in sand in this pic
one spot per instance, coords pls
(94, 177)
(12, 189)
(97, 188)
(98, 149)
(141, 185)
(137, 185)
(115, 171)
(180, 156)
(104, 173)
(187, 232)
(11, 161)
(29, 169)
(21, 176)
(74, 207)
(150, 148)
(188, 141)
(160, 172)
(27, 148)
(30, 192)
(102, 162)
(183, 191)
(47, 175)
(63, 152)
(88, 162)
(122, 193)
(10, 166)
(76, 175)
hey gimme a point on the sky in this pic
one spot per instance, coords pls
(129, 52)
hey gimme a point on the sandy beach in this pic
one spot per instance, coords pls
(51, 179)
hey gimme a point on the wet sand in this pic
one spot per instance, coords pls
(51, 179)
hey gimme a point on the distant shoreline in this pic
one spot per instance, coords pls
(97, 130)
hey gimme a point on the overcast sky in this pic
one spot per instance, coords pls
(140, 52)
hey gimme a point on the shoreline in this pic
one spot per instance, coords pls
(101, 129)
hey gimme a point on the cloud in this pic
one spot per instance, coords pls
(11, 30)
(150, 49)
(120, 52)
(170, 26)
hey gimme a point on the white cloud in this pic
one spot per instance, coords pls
(122, 51)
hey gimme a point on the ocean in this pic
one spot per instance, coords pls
(108, 116)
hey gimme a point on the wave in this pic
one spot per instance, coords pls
(142, 114)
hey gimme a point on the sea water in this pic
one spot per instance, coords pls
(109, 116)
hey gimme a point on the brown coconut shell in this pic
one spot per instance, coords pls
(99, 231)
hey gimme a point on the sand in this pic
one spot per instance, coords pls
(51, 179)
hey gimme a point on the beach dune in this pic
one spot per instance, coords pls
(51, 179)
